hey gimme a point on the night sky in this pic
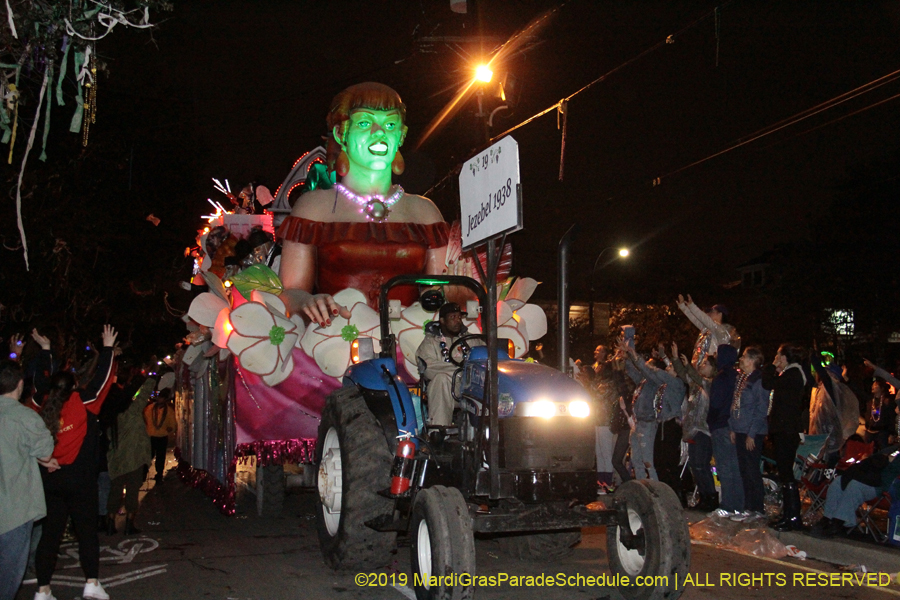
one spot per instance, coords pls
(239, 89)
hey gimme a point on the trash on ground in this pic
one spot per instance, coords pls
(754, 539)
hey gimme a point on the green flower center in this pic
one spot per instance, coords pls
(276, 335)
(349, 333)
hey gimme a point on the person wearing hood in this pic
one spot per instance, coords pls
(721, 395)
(834, 409)
(788, 380)
(881, 411)
(748, 425)
(128, 455)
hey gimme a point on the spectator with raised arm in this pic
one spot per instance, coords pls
(713, 328)
(694, 428)
(667, 447)
(71, 491)
(657, 399)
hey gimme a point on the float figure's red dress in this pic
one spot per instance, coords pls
(366, 255)
(348, 255)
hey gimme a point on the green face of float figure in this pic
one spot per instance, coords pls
(371, 139)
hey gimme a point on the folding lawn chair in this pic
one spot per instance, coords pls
(814, 483)
(867, 522)
(809, 451)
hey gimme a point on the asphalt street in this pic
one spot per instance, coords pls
(188, 550)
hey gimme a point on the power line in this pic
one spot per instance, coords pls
(668, 40)
(802, 115)
(855, 112)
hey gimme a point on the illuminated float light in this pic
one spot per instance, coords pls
(227, 283)
(432, 281)
(302, 156)
(354, 351)
(483, 73)
(624, 252)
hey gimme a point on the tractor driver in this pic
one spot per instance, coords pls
(433, 358)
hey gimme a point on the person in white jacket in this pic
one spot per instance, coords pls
(712, 326)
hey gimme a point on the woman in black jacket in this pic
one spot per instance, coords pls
(789, 381)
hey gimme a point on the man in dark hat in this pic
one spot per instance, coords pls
(433, 358)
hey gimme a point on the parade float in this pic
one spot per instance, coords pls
(255, 369)
(317, 363)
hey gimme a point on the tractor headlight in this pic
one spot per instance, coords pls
(544, 409)
(579, 408)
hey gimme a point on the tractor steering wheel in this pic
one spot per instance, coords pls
(460, 340)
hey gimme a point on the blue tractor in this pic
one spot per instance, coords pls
(518, 463)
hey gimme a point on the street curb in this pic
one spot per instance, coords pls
(844, 551)
(838, 551)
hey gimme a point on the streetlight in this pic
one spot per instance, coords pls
(483, 73)
(623, 253)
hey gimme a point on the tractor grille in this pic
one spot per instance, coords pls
(559, 444)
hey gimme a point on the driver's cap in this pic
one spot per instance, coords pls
(449, 308)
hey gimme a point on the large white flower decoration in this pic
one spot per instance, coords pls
(330, 346)
(206, 307)
(520, 322)
(262, 338)
(410, 332)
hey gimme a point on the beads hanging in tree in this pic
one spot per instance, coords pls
(90, 101)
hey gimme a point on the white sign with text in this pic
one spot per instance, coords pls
(490, 196)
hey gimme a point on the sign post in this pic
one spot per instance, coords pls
(490, 198)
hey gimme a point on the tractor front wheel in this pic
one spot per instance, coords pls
(442, 545)
(354, 463)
